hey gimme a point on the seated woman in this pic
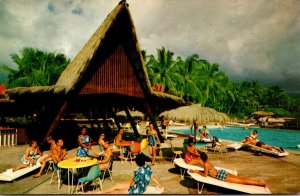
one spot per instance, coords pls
(30, 157)
(205, 133)
(95, 170)
(101, 143)
(191, 155)
(267, 147)
(252, 138)
(210, 170)
(138, 184)
(84, 142)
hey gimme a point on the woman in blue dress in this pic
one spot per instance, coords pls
(84, 142)
(153, 140)
(139, 183)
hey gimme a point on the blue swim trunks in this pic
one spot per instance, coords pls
(221, 175)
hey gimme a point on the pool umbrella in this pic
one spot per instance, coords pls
(195, 112)
(134, 113)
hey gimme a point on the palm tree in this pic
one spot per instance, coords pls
(211, 80)
(35, 68)
(163, 70)
(189, 70)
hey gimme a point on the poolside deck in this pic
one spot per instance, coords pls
(281, 174)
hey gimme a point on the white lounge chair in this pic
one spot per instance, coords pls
(275, 152)
(184, 167)
(169, 136)
(235, 146)
(252, 189)
(9, 175)
(154, 190)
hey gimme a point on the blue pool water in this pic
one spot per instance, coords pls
(287, 139)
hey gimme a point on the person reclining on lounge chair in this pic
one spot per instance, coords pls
(210, 170)
(191, 155)
(30, 157)
(268, 147)
(251, 139)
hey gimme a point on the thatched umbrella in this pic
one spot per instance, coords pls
(263, 113)
(132, 113)
(195, 112)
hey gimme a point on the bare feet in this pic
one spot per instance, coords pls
(36, 175)
(262, 183)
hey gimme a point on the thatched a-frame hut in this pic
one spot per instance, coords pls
(108, 73)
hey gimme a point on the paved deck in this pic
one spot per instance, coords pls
(281, 174)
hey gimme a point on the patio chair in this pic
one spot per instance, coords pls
(56, 171)
(176, 153)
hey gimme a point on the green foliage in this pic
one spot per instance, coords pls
(198, 81)
(278, 111)
(35, 68)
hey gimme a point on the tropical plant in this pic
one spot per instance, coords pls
(163, 70)
(35, 68)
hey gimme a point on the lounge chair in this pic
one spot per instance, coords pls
(184, 167)
(169, 136)
(276, 153)
(252, 189)
(236, 146)
(9, 175)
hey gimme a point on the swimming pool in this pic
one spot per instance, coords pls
(287, 139)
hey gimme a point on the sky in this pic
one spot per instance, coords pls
(252, 40)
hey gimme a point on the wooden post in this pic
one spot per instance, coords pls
(137, 134)
(57, 119)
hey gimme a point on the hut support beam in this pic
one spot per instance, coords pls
(137, 134)
(57, 119)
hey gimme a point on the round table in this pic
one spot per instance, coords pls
(75, 163)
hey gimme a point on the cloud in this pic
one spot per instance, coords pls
(251, 40)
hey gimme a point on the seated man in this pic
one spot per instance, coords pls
(118, 142)
(118, 138)
(59, 154)
(48, 158)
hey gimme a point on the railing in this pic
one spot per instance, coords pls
(8, 136)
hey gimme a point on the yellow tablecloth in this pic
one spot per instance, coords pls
(77, 162)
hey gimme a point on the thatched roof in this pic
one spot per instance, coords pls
(14, 93)
(195, 112)
(94, 51)
(132, 113)
(262, 113)
(72, 75)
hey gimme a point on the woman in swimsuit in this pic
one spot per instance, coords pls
(210, 170)
(153, 140)
(252, 138)
(191, 155)
(95, 170)
(84, 142)
(31, 155)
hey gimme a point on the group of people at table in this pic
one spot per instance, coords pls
(57, 154)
